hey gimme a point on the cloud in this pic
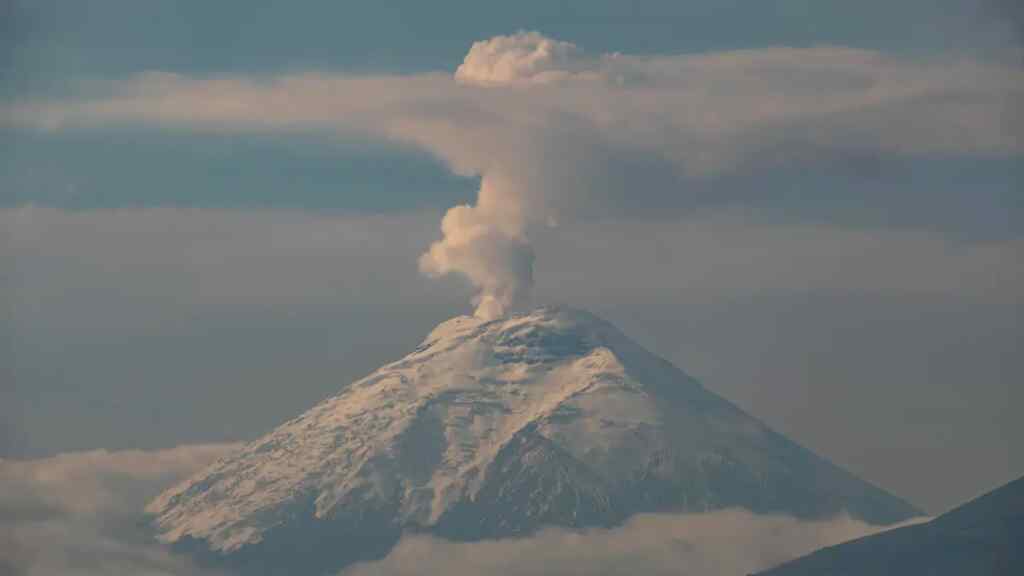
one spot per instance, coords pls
(725, 543)
(556, 135)
(646, 156)
(489, 248)
(688, 108)
(80, 513)
(522, 58)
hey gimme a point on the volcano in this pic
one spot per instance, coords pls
(495, 429)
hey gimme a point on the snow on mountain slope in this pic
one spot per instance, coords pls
(495, 428)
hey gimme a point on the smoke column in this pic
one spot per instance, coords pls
(487, 244)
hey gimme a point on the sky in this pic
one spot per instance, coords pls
(213, 216)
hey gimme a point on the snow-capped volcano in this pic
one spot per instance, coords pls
(496, 428)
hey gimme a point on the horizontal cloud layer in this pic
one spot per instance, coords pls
(556, 135)
(726, 543)
(835, 97)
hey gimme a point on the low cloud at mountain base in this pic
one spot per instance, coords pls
(80, 514)
(727, 542)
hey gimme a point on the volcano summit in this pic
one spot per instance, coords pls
(492, 429)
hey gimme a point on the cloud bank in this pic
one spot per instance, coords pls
(556, 135)
(81, 513)
(725, 543)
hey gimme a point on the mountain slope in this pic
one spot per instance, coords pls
(983, 536)
(493, 429)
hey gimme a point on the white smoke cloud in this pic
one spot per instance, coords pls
(571, 163)
(490, 248)
(80, 514)
(724, 543)
(555, 135)
(523, 58)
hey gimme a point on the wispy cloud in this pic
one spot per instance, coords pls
(687, 108)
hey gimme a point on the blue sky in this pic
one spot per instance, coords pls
(161, 272)
(53, 44)
(60, 50)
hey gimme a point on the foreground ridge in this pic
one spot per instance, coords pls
(983, 536)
